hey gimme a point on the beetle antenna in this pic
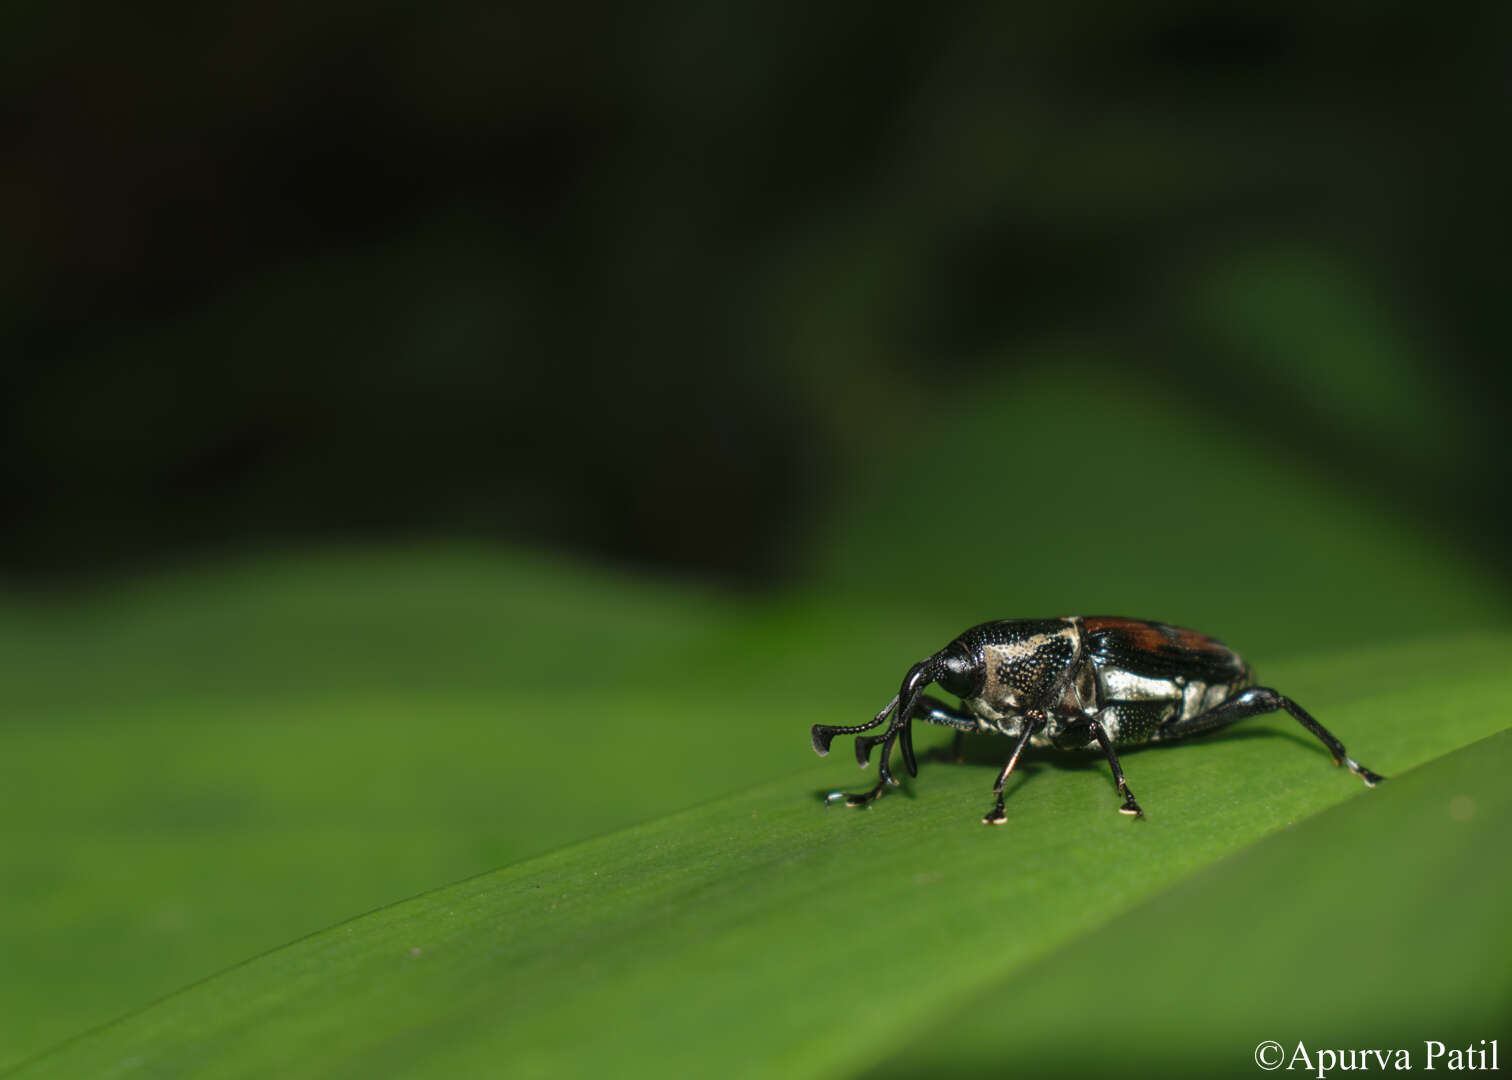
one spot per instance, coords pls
(823, 733)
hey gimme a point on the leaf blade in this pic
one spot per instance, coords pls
(759, 928)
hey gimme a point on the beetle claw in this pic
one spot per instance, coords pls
(1371, 779)
(859, 799)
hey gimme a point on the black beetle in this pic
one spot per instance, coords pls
(1075, 683)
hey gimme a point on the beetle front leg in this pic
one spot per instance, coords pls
(996, 816)
(822, 734)
(1129, 806)
(930, 710)
(885, 778)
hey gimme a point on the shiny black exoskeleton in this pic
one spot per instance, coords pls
(1075, 683)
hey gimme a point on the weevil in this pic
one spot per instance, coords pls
(1074, 683)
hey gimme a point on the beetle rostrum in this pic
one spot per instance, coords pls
(1073, 683)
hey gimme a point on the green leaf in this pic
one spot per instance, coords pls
(1378, 924)
(201, 766)
(765, 933)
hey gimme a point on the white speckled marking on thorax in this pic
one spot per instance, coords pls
(1010, 656)
(1014, 653)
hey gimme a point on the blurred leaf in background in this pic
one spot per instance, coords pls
(1081, 487)
(319, 270)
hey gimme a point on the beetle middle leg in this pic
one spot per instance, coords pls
(1256, 701)
(996, 816)
(930, 710)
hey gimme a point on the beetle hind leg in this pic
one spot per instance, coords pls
(1129, 806)
(1258, 700)
(1371, 779)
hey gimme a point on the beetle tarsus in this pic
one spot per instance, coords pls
(864, 744)
(857, 799)
(1130, 807)
(995, 816)
(1371, 779)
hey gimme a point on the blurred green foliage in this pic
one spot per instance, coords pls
(553, 278)
(1081, 487)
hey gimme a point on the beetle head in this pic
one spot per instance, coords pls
(959, 669)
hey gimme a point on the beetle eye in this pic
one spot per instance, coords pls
(958, 675)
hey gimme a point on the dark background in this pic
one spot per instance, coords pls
(651, 286)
